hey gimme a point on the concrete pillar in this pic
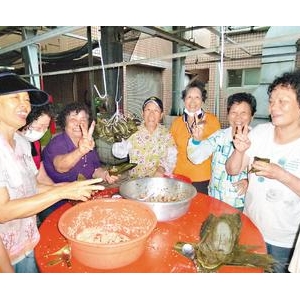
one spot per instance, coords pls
(30, 55)
(178, 74)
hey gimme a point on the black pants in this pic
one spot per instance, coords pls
(201, 186)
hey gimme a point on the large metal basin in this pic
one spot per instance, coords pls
(161, 187)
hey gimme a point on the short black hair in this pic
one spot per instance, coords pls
(242, 97)
(37, 111)
(287, 79)
(71, 107)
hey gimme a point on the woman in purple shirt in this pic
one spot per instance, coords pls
(72, 152)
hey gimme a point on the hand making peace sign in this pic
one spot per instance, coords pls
(241, 140)
(86, 143)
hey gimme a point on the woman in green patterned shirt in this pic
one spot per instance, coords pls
(152, 147)
(227, 188)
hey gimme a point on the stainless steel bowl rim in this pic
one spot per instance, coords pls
(162, 182)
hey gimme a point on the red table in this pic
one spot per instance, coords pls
(159, 256)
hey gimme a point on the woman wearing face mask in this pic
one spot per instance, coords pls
(193, 96)
(37, 123)
(21, 196)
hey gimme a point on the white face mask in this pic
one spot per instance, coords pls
(33, 135)
(192, 114)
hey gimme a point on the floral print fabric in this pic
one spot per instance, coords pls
(17, 175)
(150, 151)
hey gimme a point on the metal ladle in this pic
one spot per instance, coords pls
(147, 197)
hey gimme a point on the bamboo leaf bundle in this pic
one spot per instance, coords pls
(219, 245)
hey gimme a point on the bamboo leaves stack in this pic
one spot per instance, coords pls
(219, 237)
(116, 128)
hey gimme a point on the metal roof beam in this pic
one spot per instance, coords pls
(36, 39)
(258, 42)
(218, 33)
(157, 32)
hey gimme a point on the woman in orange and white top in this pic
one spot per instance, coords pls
(193, 96)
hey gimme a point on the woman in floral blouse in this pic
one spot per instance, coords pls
(21, 195)
(152, 146)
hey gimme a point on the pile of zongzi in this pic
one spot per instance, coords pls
(219, 245)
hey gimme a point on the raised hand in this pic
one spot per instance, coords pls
(198, 128)
(86, 143)
(241, 141)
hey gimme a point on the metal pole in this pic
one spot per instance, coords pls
(91, 73)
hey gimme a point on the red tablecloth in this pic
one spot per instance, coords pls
(159, 256)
